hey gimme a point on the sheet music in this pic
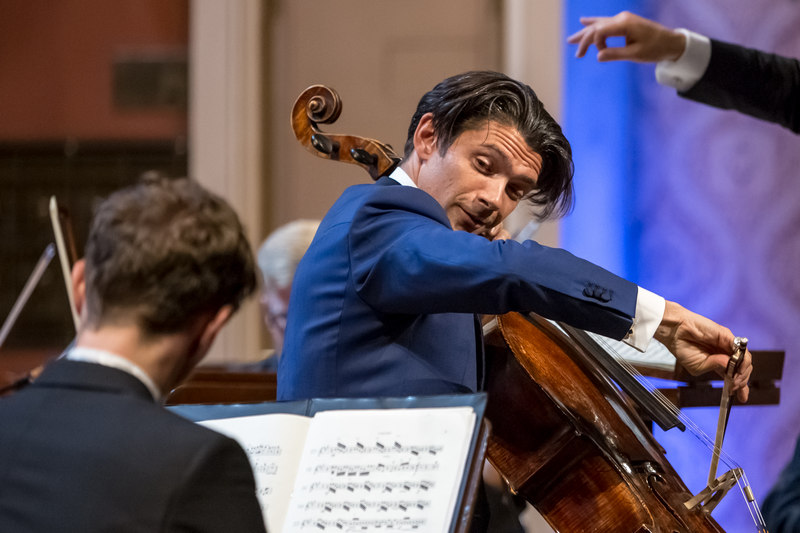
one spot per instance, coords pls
(656, 355)
(274, 444)
(385, 470)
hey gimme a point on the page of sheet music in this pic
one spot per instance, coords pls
(381, 470)
(656, 356)
(274, 444)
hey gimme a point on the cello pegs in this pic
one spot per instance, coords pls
(323, 144)
(363, 157)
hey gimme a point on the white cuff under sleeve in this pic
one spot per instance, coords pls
(685, 71)
(649, 313)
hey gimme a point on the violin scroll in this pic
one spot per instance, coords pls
(321, 105)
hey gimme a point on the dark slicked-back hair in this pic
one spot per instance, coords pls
(162, 253)
(466, 101)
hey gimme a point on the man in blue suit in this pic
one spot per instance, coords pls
(88, 446)
(384, 302)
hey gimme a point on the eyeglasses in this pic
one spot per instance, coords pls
(276, 320)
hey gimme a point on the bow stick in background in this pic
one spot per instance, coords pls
(64, 258)
(27, 290)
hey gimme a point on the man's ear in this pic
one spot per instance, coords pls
(212, 327)
(79, 285)
(425, 137)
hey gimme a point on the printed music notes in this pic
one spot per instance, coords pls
(357, 470)
(274, 444)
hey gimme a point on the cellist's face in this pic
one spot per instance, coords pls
(482, 176)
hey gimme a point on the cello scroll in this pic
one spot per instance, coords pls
(321, 105)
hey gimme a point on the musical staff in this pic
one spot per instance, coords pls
(262, 449)
(268, 469)
(403, 487)
(386, 471)
(364, 505)
(356, 525)
(367, 469)
(359, 448)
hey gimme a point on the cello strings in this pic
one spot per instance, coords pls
(667, 404)
(752, 504)
(738, 472)
(755, 503)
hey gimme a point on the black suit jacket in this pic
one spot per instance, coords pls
(762, 85)
(85, 449)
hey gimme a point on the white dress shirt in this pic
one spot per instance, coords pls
(685, 71)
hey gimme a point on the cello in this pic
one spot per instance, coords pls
(566, 431)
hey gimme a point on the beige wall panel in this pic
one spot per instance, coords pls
(532, 43)
(380, 56)
(225, 142)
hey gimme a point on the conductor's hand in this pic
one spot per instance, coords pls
(645, 41)
(701, 345)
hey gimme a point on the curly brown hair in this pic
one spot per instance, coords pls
(162, 253)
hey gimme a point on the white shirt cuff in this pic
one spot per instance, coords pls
(685, 71)
(649, 313)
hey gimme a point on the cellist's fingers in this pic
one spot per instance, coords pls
(743, 394)
(497, 232)
(502, 234)
(742, 377)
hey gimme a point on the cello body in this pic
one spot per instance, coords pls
(570, 443)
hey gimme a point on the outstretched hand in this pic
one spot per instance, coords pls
(701, 345)
(645, 41)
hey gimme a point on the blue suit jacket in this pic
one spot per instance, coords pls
(383, 302)
(781, 507)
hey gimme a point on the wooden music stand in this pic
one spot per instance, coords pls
(700, 391)
(225, 385)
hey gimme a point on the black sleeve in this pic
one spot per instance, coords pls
(219, 495)
(762, 85)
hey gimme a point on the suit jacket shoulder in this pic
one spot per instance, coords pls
(90, 445)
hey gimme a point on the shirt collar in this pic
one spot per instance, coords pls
(399, 175)
(104, 358)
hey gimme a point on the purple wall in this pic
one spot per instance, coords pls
(714, 221)
(719, 205)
